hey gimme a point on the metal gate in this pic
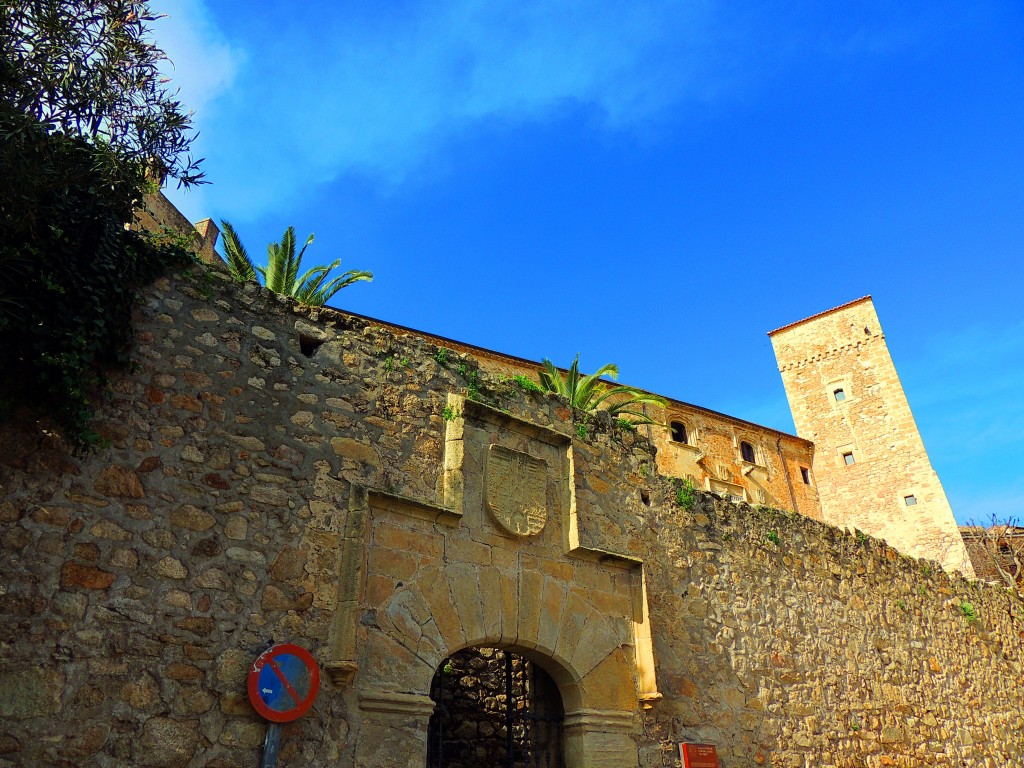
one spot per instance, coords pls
(494, 709)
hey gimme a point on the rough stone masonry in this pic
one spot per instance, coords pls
(287, 474)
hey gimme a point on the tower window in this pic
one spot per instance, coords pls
(839, 394)
(679, 432)
(910, 500)
(848, 458)
(747, 452)
(805, 475)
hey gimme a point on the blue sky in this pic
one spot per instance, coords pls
(654, 184)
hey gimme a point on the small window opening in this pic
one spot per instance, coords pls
(747, 452)
(839, 394)
(805, 475)
(848, 458)
(679, 432)
(309, 345)
(910, 500)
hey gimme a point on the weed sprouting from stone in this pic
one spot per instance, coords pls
(684, 494)
(526, 383)
(969, 612)
(449, 413)
(773, 537)
(581, 431)
(441, 356)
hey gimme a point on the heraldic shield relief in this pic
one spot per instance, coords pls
(517, 490)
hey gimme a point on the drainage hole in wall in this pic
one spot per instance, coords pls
(308, 345)
(645, 497)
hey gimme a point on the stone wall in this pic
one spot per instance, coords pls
(711, 458)
(790, 643)
(277, 474)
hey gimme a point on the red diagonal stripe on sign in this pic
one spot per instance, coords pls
(287, 686)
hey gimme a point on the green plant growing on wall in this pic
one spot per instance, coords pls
(441, 356)
(389, 364)
(590, 392)
(87, 129)
(969, 611)
(472, 378)
(685, 497)
(449, 413)
(862, 538)
(901, 604)
(581, 431)
(526, 383)
(281, 274)
(854, 723)
(773, 537)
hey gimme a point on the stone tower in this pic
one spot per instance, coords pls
(870, 464)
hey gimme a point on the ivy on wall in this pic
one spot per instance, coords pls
(68, 270)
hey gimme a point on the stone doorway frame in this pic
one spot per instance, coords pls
(389, 647)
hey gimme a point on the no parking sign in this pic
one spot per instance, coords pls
(283, 684)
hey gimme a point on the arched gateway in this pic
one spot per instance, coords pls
(494, 709)
(504, 562)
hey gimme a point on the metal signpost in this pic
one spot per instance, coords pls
(698, 755)
(283, 684)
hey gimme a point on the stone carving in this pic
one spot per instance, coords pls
(516, 490)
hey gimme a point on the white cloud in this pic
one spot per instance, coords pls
(376, 99)
(202, 66)
(201, 62)
(373, 91)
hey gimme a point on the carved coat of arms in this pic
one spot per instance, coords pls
(516, 490)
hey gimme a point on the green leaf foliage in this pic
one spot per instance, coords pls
(281, 273)
(69, 272)
(591, 392)
(87, 126)
(90, 69)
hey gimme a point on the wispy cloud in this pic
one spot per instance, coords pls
(374, 99)
(201, 65)
(201, 62)
(373, 91)
(968, 383)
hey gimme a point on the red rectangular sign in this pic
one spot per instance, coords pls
(698, 755)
